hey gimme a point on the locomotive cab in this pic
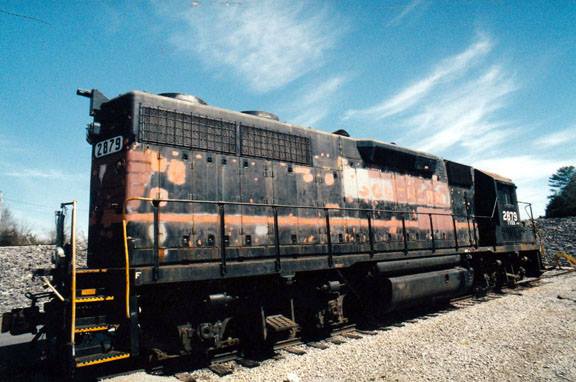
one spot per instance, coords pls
(497, 211)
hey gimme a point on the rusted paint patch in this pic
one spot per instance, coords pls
(159, 193)
(177, 172)
(139, 167)
(261, 230)
(376, 186)
(160, 164)
(161, 233)
(329, 179)
(306, 173)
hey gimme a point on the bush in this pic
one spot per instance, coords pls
(13, 232)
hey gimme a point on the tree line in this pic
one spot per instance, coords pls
(562, 201)
(17, 232)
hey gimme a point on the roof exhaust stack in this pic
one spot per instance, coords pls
(262, 114)
(185, 97)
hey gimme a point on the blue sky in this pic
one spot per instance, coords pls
(488, 83)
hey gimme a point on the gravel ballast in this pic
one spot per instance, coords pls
(524, 335)
(16, 267)
(557, 235)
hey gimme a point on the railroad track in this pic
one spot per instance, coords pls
(223, 365)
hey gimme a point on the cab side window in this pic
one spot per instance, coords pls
(508, 195)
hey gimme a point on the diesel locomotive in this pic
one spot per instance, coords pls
(218, 232)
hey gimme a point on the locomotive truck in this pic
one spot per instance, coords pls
(217, 232)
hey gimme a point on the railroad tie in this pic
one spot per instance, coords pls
(248, 363)
(367, 332)
(295, 350)
(318, 345)
(351, 335)
(221, 369)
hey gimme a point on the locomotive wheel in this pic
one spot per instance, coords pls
(483, 286)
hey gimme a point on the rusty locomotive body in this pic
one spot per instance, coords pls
(213, 231)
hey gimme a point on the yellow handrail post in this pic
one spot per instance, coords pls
(73, 283)
(127, 262)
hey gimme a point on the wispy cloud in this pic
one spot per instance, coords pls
(314, 101)
(454, 107)
(30, 173)
(556, 139)
(448, 69)
(464, 115)
(409, 8)
(267, 44)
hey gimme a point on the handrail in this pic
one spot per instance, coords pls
(222, 240)
(218, 202)
(328, 238)
(222, 237)
(470, 220)
(48, 284)
(532, 222)
(127, 267)
(73, 270)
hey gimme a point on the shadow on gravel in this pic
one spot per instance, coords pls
(21, 362)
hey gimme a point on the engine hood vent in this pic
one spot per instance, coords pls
(341, 132)
(185, 97)
(262, 114)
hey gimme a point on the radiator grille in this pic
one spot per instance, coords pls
(275, 145)
(197, 132)
(186, 130)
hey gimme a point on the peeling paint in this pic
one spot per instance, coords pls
(162, 233)
(329, 179)
(101, 171)
(374, 185)
(177, 172)
(159, 193)
(261, 230)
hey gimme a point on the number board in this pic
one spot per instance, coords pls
(510, 217)
(108, 146)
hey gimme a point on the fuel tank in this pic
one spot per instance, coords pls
(409, 290)
(402, 267)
